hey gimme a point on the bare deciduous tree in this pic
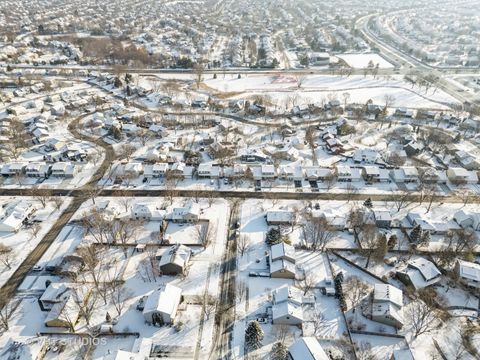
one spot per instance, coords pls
(205, 233)
(243, 244)
(6, 255)
(421, 317)
(198, 71)
(317, 232)
(355, 290)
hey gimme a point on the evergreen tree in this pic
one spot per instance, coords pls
(274, 236)
(279, 351)
(425, 238)
(118, 82)
(253, 335)
(415, 234)
(368, 203)
(392, 241)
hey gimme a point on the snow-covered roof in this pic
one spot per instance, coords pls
(164, 300)
(388, 293)
(282, 250)
(281, 264)
(428, 269)
(287, 293)
(307, 348)
(469, 270)
(287, 308)
(277, 216)
(55, 292)
(177, 254)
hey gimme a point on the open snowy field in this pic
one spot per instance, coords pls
(315, 87)
(361, 61)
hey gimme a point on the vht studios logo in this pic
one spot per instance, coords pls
(85, 341)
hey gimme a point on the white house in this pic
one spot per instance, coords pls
(37, 169)
(268, 172)
(161, 306)
(283, 251)
(144, 211)
(53, 294)
(458, 175)
(468, 273)
(208, 171)
(279, 217)
(13, 168)
(13, 215)
(348, 174)
(467, 219)
(132, 169)
(406, 174)
(188, 213)
(420, 273)
(63, 169)
(366, 155)
(387, 305)
(287, 306)
(307, 348)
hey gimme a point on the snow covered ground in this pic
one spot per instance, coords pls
(27, 238)
(315, 87)
(361, 61)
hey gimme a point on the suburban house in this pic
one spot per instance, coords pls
(132, 169)
(334, 145)
(161, 306)
(348, 174)
(13, 216)
(468, 273)
(282, 261)
(383, 218)
(38, 170)
(335, 219)
(406, 174)
(267, 172)
(372, 173)
(54, 294)
(157, 170)
(467, 220)
(458, 175)
(314, 173)
(307, 348)
(190, 213)
(387, 305)
(279, 217)
(283, 251)
(64, 313)
(208, 171)
(433, 176)
(366, 155)
(174, 260)
(287, 305)
(413, 148)
(419, 273)
(150, 212)
(63, 170)
(13, 168)
(416, 218)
